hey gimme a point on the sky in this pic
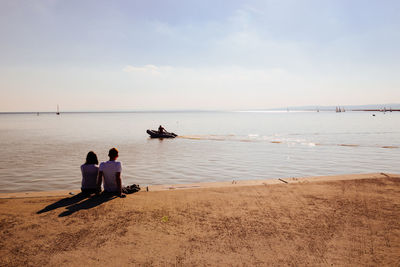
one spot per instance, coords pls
(95, 55)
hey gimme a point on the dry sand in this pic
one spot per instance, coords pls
(341, 220)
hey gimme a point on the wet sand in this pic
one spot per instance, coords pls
(324, 221)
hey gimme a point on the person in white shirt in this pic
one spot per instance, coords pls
(111, 171)
(89, 174)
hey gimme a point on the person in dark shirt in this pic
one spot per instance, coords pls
(89, 174)
(161, 130)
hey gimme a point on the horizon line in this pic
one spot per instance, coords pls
(305, 107)
(386, 106)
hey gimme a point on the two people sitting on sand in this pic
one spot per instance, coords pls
(109, 173)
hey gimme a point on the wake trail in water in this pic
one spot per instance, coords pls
(266, 139)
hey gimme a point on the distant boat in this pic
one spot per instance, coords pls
(58, 110)
(340, 109)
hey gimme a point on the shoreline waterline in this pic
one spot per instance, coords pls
(205, 185)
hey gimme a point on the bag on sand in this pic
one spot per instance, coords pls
(130, 189)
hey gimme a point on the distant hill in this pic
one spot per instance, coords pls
(346, 107)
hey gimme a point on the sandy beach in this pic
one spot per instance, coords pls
(349, 220)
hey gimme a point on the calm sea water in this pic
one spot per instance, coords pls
(45, 152)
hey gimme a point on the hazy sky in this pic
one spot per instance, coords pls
(169, 54)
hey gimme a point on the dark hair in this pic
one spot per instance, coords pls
(91, 158)
(113, 152)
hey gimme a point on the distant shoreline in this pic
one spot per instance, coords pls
(197, 111)
(309, 108)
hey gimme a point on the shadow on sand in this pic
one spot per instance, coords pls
(78, 202)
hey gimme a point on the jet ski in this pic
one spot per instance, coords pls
(156, 134)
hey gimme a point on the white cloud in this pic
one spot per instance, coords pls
(150, 69)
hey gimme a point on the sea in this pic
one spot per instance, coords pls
(42, 152)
